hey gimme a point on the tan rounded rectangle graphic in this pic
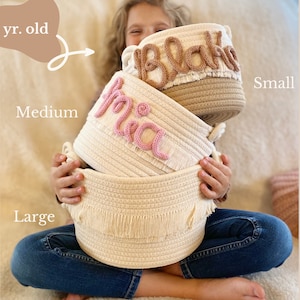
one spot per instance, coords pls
(31, 28)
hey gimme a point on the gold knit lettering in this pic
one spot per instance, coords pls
(177, 61)
(218, 51)
(182, 61)
(147, 60)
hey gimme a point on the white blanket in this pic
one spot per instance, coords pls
(262, 141)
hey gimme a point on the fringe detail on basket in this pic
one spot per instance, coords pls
(151, 224)
(195, 76)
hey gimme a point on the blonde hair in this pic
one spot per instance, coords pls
(115, 43)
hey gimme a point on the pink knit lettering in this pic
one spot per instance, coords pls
(132, 130)
(118, 106)
(155, 143)
(142, 110)
(113, 92)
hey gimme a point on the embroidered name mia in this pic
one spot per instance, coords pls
(132, 130)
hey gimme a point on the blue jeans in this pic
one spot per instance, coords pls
(236, 243)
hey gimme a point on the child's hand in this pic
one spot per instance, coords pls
(215, 177)
(67, 186)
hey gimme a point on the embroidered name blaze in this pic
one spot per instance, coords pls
(179, 60)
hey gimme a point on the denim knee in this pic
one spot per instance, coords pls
(21, 260)
(53, 260)
(278, 241)
(239, 243)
